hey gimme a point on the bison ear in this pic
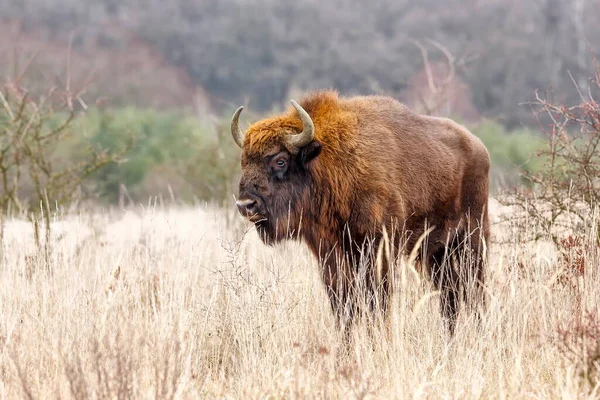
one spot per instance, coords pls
(309, 152)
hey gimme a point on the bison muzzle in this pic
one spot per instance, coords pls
(350, 176)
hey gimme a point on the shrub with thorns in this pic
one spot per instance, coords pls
(565, 194)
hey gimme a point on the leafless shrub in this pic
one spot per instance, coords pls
(34, 124)
(565, 194)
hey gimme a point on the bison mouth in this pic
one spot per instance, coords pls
(268, 231)
(271, 233)
(257, 219)
(263, 227)
(265, 231)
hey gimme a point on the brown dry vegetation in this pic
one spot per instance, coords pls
(117, 68)
(187, 303)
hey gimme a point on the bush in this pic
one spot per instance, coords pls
(163, 154)
(566, 190)
(172, 154)
(511, 152)
(34, 177)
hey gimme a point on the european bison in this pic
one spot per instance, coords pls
(350, 175)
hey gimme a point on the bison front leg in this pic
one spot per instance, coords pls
(378, 289)
(341, 297)
(351, 298)
(357, 288)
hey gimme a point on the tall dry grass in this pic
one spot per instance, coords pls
(187, 303)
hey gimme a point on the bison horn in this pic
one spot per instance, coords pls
(296, 142)
(236, 132)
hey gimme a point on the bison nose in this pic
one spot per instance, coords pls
(246, 206)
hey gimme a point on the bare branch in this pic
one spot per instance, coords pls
(450, 59)
(439, 90)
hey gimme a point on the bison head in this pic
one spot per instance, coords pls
(276, 171)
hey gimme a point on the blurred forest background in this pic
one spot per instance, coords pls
(155, 82)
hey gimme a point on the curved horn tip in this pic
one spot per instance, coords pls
(295, 104)
(236, 132)
(295, 142)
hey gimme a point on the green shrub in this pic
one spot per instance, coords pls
(510, 152)
(171, 152)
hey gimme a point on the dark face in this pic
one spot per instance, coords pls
(271, 189)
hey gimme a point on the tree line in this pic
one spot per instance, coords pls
(263, 51)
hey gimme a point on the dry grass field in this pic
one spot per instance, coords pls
(187, 303)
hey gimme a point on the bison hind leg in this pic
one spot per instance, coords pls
(446, 280)
(471, 264)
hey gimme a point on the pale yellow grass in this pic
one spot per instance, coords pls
(184, 303)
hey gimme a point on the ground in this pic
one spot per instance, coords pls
(156, 302)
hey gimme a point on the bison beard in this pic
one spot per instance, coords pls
(359, 179)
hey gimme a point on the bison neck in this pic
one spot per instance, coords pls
(334, 234)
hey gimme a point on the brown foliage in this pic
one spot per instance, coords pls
(116, 67)
(578, 341)
(573, 254)
(577, 258)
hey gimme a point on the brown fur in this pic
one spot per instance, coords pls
(380, 167)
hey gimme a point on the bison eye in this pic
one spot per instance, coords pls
(281, 163)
